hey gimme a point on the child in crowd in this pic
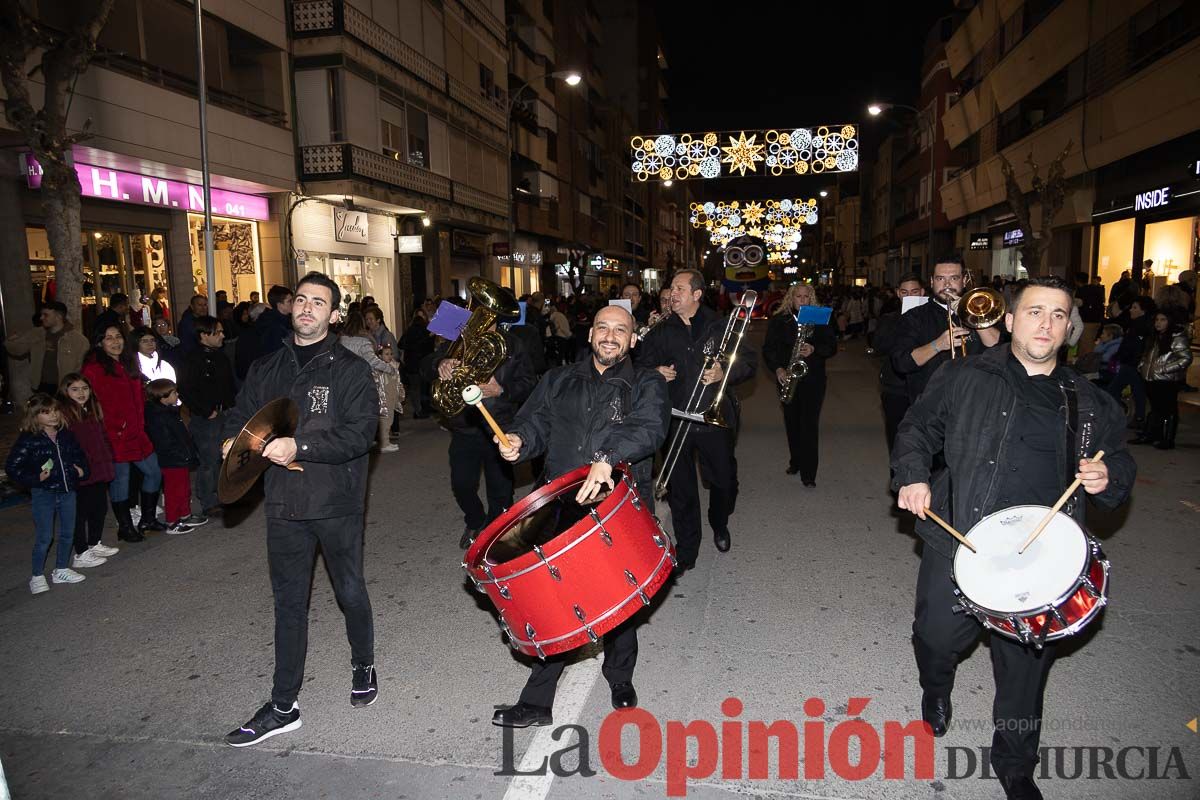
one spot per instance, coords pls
(177, 454)
(84, 418)
(47, 459)
(391, 398)
(1107, 345)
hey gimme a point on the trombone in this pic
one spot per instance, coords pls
(724, 354)
(978, 308)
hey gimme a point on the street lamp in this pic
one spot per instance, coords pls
(571, 78)
(875, 109)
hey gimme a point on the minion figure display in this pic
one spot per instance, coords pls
(746, 265)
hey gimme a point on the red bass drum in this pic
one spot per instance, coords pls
(562, 575)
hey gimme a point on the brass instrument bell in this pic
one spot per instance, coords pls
(981, 307)
(480, 351)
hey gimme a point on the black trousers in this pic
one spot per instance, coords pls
(718, 467)
(620, 656)
(206, 433)
(470, 452)
(802, 418)
(91, 507)
(1163, 397)
(940, 637)
(291, 548)
(895, 406)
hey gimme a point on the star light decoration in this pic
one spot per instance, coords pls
(776, 222)
(705, 155)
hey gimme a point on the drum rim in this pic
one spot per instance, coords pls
(985, 615)
(1091, 552)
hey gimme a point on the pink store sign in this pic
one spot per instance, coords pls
(147, 190)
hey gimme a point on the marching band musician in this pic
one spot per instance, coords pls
(802, 415)
(321, 505)
(602, 410)
(470, 438)
(676, 349)
(1015, 428)
(925, 337)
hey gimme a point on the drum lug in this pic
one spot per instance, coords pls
(504, 592)
(582, 617)
(632, 581)
(674, 560)
(1091, 588)
(554, 573)
(532, 634)
(642, 596)
(500, 587)
(604, 534)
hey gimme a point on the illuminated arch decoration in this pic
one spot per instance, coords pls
(777, 222)
(800, 151)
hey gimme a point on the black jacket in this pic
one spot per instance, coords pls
(781, 339)
(30, 453)
(206, 382)
(964, 413)
(339, 416)
(575, 412)
(918, 327)
(671, 343)
(887, 331)
(172, 443)
(515, 376)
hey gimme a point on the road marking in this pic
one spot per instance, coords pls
(573, 690)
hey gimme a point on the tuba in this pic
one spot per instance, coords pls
(480, 351)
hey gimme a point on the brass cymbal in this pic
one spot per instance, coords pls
(241, 468)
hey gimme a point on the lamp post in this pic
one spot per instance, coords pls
(875, 109)
(571, 78)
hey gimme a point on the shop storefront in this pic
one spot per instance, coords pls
(1006, 253)
(354, 247)
(1148, 209)
(133, 238)
(522, 273)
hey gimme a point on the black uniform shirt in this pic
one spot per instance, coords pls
(1029, 473)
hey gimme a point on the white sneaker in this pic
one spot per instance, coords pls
(65, 575)
(87, 559)
(37, 584)
(391, 447)
(103, 550)
(178, 527)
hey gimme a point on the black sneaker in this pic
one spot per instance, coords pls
(268, 722)
(365, 688)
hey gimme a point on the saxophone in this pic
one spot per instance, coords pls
(797, 367)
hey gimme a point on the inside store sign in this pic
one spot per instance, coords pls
(1152, 199)
(147, 190)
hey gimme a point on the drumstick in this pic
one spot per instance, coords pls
(473, 396)
(950, 530)
(1054, 510)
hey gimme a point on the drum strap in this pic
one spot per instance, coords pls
(1072, 398)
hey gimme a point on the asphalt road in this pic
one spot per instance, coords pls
(123, 686)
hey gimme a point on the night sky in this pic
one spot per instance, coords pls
(790, 64)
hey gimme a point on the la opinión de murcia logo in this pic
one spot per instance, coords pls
(852, 750)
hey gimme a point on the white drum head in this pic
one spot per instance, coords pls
(1000, 580)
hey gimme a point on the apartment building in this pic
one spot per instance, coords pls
(401, 128)
(140, 168)
(1114, 80)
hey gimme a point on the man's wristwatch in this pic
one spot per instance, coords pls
(605, 456)
(936, 349)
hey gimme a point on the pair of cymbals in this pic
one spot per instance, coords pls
(244, 463)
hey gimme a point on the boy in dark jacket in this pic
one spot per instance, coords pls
(176, 454)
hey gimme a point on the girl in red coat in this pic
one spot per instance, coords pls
(117, 383)
(81, 412)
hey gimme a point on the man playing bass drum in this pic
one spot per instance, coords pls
(676, 348)
(602, 410)
(802, 414)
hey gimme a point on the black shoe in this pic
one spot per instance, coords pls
(268, 722)
(214, 511)
(1020, 787)
(811, 484)
(149, 521)
(936, 711)
(364, 689)
(721, 540)
(468, 537)
(623, 695)
(1170, 427)
(126, 530)
(682, 567)
(792, 470)
(523, 715)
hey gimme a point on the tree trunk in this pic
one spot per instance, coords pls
(60, 198)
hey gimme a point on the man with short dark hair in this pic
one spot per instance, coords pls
(633, 293)
(116, 315)
(1090, 297)
(320, 506)
(198, 307)
(271, 328)
(54, 350)
(926, 336)
(206, 387)
(1043, 423)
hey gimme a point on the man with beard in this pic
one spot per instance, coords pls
(604, 410)
(321, 505)
(1045, 422)
(925, 338)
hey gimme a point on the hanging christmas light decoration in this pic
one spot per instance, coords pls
(800, 151)
(776, 222)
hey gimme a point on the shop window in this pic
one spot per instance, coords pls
(1115, 250)
(1171, 246)
(236, 259)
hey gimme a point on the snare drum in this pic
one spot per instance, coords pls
(562, 575)
(1049, 592)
